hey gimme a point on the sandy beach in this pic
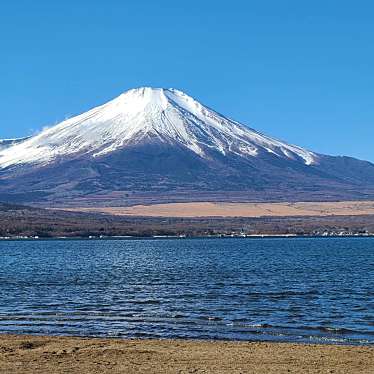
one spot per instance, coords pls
(29, 354)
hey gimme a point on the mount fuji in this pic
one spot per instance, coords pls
(158, 145)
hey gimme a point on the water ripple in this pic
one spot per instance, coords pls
(299, 290)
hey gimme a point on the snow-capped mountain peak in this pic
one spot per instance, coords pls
(148, 114)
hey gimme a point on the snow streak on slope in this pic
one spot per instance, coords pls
(165, 115)
(6, 143)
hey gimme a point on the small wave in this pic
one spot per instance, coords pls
(179, 316)
(210, 318)
(250, 325)
(150, 301)
(332, 330)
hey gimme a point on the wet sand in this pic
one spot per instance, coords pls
(49, 355)
(208, 209)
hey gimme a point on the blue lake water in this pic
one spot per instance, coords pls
(299, 290)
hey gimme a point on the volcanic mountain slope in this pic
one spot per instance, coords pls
(6, 143)
(162, 145)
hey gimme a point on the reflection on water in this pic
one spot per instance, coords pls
(300, 290)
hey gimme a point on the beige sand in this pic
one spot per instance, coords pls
(207, 209)
(50, 355)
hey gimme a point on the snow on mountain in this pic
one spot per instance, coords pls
(6, 143)
(165, 115)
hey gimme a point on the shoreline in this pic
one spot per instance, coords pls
(50, 354)
(155, 237)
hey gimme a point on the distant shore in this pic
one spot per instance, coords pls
(236, 236)
(21, 354)
(22, 222)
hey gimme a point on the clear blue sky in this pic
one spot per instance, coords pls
(302, 71)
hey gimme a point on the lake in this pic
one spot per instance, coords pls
(297, 289)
